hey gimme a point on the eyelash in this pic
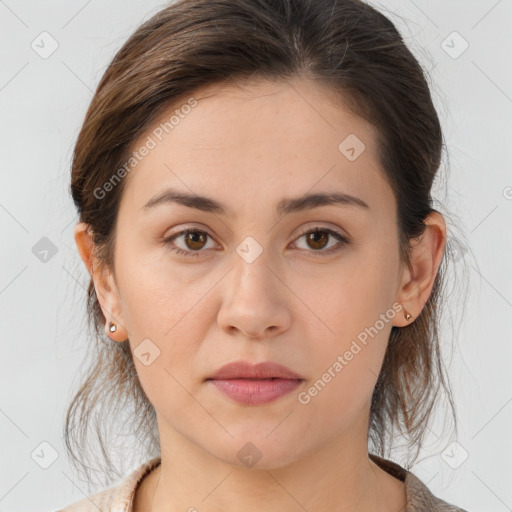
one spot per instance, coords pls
(338, 236)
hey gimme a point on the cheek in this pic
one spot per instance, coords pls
(163, 317)
(347, 300)
(351, 325)
(166, 363)
(156, 296)
(344, 381)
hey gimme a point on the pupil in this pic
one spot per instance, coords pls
(323, 237)
(317, 237)
(192, 237)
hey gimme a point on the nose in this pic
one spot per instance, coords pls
(255, 300)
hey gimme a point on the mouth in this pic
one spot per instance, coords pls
(255, 391)
(260, 371)
(252, 379)
(258, 384)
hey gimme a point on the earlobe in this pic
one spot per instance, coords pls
(115, 331)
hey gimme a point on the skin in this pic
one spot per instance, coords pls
(247, 147)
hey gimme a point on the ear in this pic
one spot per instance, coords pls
(417, 281)
(104, 282)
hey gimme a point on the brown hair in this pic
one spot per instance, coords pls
(345, 44)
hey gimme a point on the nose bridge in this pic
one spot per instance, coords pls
(254, 298)
(251, 274)
(252, 267)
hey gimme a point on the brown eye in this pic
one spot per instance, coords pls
(317, 239)
(195, 239)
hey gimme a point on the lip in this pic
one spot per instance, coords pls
(257, 384)
(246, 370)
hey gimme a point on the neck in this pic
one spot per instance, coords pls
(335, 477)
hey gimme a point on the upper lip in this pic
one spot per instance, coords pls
(246, 370)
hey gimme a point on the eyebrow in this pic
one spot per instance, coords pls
(284, 206)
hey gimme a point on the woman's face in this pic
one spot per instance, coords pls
(252, 283)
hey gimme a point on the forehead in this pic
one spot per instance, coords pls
(245, 141)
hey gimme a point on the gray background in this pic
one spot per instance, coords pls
(42, 104)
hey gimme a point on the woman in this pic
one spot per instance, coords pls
(253, 180)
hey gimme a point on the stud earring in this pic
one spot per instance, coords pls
(112, 327)
(407, 315)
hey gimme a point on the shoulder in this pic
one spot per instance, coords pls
(419, 496)
(117, 498)
(103, 500)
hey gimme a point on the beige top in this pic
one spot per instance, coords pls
(119, 498)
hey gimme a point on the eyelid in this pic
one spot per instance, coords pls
(343, 239)
(184, 229)
(167, 240)
(312, 226)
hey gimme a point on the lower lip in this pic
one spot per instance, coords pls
(255, 392)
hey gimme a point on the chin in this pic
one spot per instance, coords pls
(257, 452)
